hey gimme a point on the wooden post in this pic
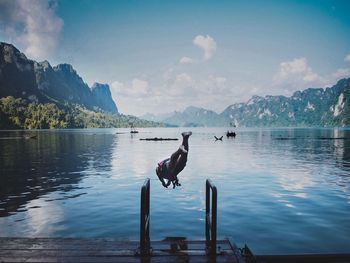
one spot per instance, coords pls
(145, 219)
(210, 218)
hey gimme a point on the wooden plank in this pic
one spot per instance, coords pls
(72, 259)
(51, 243)
(86, 243)
(57, 252)
(107, 250)
(125, 259)
(98, 252)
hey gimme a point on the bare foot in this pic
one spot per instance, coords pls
(188, 134)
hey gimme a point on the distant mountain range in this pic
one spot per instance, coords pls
(310, 107)
(34, 81)
(40, 83)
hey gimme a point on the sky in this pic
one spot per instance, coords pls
(159, 56)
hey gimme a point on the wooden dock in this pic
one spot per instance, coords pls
(112, 250)
(169, 250)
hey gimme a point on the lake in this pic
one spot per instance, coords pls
(279, 190)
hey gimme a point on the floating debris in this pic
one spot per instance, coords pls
(159, 139)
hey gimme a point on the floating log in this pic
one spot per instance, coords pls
(159, 139)
(332, 138)
(285, 138)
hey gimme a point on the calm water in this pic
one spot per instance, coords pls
(279, 190)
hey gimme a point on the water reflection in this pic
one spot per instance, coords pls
(53, 161)
(274, 184)
(313, 153)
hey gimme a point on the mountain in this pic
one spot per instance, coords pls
(156, 117)
(39, 82)
(310, 107)
(193, 116)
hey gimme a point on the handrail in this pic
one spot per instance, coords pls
(145, 218)
(210, 222)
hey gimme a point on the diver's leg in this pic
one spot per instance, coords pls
(185, 136)
(173, 159)
(180, 164)
(179, 158)
(182, 160)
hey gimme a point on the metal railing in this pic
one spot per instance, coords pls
(145, 245)
(210, 218)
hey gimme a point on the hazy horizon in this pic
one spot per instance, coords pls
(162, 56)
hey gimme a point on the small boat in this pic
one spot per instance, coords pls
(230, 134)
(132, 129)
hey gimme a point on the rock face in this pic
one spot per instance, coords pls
(38, 81)
(103, 97)
(17, 76)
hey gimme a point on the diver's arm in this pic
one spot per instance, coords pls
(167, 184)
(163, 182)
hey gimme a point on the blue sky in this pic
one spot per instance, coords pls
(161, 56)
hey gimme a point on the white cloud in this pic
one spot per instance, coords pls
(132, 97)
(209, 91)
(297, 75)
(206, 43)
(186, 60)
(220, 81)
(167, 74)
(341, 73)
(213, 85)
(139, 87)
(117, 87)
(297, 66)
(178, 86)
(294, 75)
(176, 92)
(347, 58)
(183, 78)
(31, 24)
(136, 89)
